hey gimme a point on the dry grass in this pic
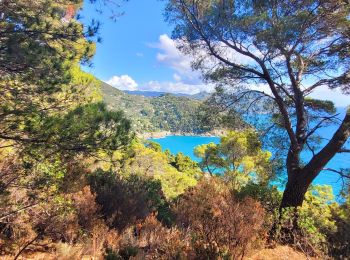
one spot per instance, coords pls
(32, 256)
(279, 253)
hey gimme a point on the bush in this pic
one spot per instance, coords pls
(86, 208)
(124, 201)
(306, 227)
(220, 224)
(339, 241)
(66, 251)
(269, 196)
(154, 241)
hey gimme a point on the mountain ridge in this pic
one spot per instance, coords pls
(199, 96)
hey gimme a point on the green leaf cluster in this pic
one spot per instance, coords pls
(238, 157)
(175, 173)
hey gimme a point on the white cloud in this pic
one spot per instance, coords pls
(123, 82)
(171, 57)
(176, 77)
(181, 63)
(185, 79)
(176, 87)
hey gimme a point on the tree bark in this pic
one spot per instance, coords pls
(294, 193)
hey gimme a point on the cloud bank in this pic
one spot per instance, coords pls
(126, 82)
(123, 82)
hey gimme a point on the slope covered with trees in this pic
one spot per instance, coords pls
(166, 112)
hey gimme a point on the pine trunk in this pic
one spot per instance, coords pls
(294, 193)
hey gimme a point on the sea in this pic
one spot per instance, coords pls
(186, 145)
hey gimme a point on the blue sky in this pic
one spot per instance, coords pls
(137, 53)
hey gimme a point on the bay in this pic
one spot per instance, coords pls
(186, 145)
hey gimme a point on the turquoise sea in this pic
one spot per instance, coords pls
(186, 144)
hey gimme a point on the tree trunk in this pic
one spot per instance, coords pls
(299, 179)
(293, 195)
(297, 185)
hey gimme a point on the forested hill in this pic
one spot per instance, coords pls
(166, 112)
(199, 96)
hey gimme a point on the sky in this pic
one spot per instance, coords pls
(137, 53)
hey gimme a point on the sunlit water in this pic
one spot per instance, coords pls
(186, 145)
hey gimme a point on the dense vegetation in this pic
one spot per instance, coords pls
(167, 112)
(75, 181)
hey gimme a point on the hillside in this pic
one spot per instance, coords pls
(199, 96)
(165, 112)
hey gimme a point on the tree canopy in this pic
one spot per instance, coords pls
(278, 52)
(52, 122)
(238, 157)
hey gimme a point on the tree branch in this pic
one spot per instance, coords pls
(319, 161)
(341, 173)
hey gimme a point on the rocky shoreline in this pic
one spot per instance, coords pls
(163, 134)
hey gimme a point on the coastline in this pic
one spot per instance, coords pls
(163, 134)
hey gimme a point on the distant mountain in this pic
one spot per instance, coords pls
(156, 111)
(203, 95)
(200, 96)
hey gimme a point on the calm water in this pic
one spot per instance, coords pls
(186, 144)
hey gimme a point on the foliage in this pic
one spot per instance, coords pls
(38, 44)
(153, 145)
(281, 45)
(267, 195)
(85, 130)
(164, 243)
(51, 123)
(322, 222)
(40, 54)
(317, 104)
(44, 169)
(153, 114)
(56, 136)
(339, 241)
(49, 113)
(176, 114)
(184, 164)
(319, 201)
(308, 227)
(220, 225)
(145, 161)
(126, 201)
(238, 157)
(154, 241)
